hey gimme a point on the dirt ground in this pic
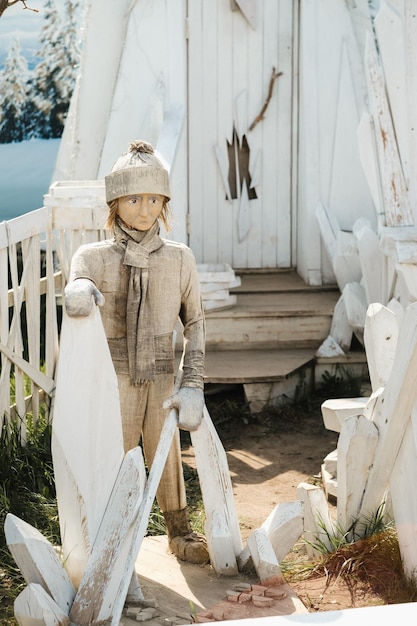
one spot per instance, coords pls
(269, 455)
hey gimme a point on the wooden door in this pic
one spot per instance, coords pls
(241, 131)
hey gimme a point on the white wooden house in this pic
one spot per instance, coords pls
(255, 106)
(289, 135)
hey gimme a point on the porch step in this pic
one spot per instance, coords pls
(250, 366)
(276, 310)
(267, 342)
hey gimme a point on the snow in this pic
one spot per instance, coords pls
(26, 170)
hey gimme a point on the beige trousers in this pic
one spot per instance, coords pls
(142, 421)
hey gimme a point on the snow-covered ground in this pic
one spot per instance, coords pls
(26, 169)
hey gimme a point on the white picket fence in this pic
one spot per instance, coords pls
(35, 252)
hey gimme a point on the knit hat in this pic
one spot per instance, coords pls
(137, 171)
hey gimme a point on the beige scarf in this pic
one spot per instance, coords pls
(139, 319)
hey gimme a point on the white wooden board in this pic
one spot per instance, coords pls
(87, 441)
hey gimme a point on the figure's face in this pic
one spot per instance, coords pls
(140, 211)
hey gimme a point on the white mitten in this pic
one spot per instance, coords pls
(190, 404)
(79, 296)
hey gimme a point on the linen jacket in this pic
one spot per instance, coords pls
(174, 292)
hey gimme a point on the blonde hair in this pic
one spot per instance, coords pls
(165, 215)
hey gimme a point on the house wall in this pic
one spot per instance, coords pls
(184, 81)
(332, 97)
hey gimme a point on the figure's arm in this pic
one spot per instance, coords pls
(81, 290)
(189, 400)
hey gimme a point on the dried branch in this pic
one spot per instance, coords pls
(261, 114)
(5, 4)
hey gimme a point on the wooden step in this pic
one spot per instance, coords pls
(276, 281)
(291, 319)
(249, 366)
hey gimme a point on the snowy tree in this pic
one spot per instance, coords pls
(13, 89)
(71, 48)
(54, 76)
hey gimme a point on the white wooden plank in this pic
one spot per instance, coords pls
(390, 30)
(340, 329)
(284, 526)
(220, 545)
(407, 273)
(392, 412)
(354, 297)
(215, 482)
(330, 462)
(329, 348)
(105, 567)
(410, 51)
(371, 262)
(318, 525)
(34, 607)
(87, 401)
(346, 262)
(336, 410)
(218, 272)
(355, 455)
(278, 50)
(27, 225)
(142, 519)
(249, 10)
(264, 559)
(381, 337)
(170, 134)
(38, 561)
(211, 305)
(369, 160)
(406, 252)
(224, 169)
(396, 201)
(404, 505)
(344, 185)
(328, 230)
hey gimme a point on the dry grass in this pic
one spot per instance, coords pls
(372, 565)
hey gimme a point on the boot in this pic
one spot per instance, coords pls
(183, 542)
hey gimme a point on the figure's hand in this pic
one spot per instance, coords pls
(190, 404)
(79, 295)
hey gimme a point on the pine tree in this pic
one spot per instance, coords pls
(71, 48)
(54, 76)
(13, 90)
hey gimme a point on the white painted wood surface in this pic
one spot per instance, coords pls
(264, 559)
(87, 442)
(404, 507)
(105, 567)
(392, 412)
(220, 545)
(340, 329)
(113, 613)
(355, 455)
(229, 73)
(26, 233)
(381, 337)
(216, 487)
(38, 561)
(318, 525)
(335, 411)
(84, 133)
(34, 607)
(284, 526)
(396, 201)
